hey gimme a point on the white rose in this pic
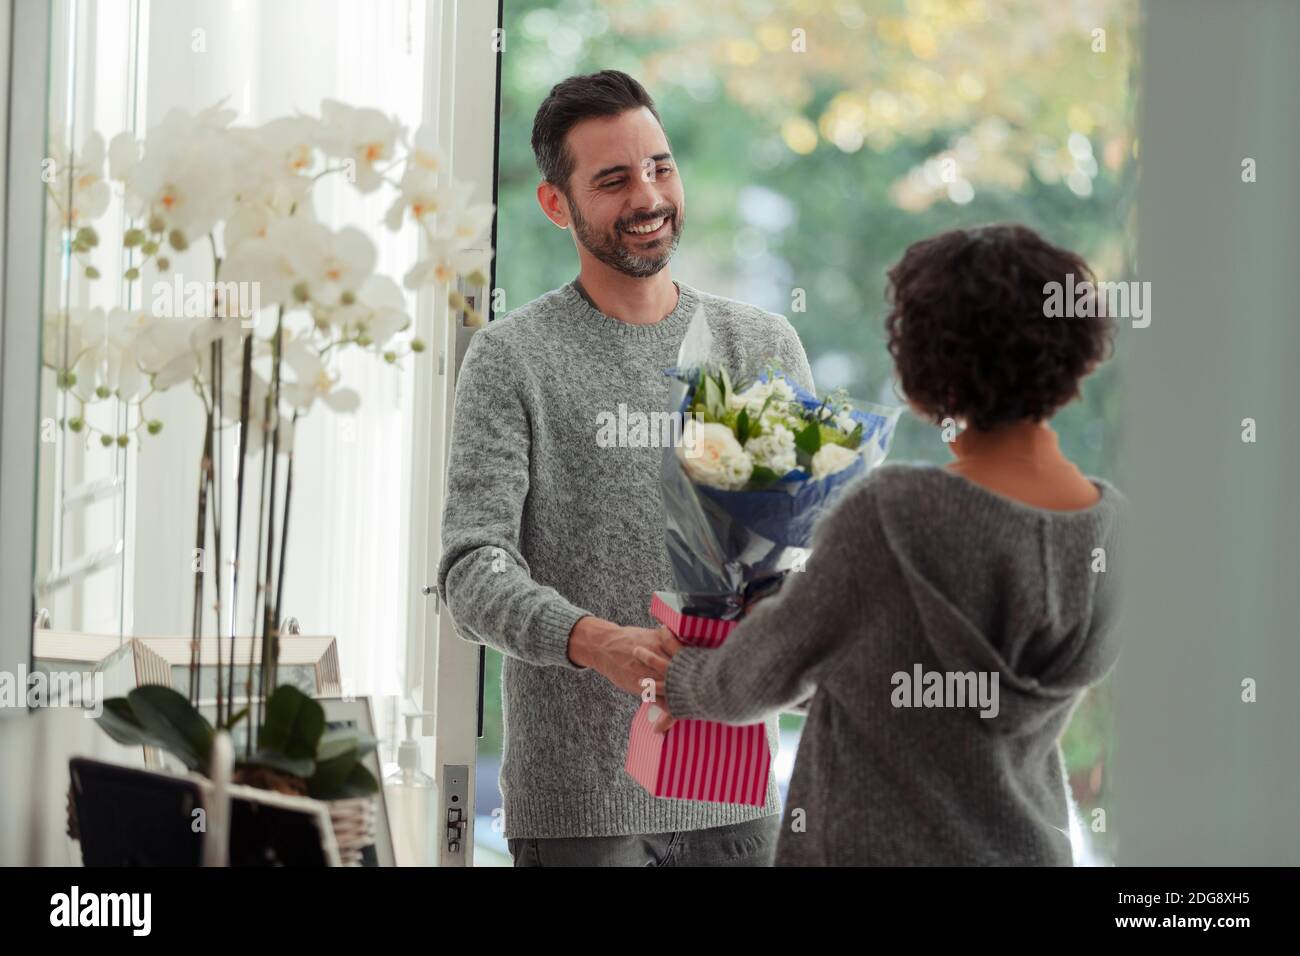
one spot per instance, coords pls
(832, 458)
(712, 456)
(773, 449)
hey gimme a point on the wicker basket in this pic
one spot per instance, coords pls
(355, 823)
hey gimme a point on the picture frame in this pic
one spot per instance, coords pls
(309, 662)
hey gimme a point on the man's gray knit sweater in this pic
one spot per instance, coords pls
(543, 524)
(918, 571)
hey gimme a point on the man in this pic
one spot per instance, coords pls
(553, 542)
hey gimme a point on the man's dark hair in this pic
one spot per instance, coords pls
(571, 101)
(968, 329)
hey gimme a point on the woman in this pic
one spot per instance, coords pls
(949, 619)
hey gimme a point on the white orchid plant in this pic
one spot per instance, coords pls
(247, 192)
(257, 339)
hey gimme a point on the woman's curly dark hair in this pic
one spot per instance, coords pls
(969, 333)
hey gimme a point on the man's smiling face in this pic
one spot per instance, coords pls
(624, 197)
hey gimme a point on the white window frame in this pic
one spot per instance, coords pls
(24, 53)
(444, 673)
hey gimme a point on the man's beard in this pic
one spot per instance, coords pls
(611, 250)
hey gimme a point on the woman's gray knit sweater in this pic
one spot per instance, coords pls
(948, 633)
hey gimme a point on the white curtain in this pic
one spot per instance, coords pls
(347, 563)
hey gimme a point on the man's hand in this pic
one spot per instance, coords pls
(610, 649)
(657, 663)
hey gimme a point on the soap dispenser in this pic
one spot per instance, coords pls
(411, 796)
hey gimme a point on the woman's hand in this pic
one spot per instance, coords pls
(657, 663)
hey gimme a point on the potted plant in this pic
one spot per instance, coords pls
(256, 335)
(292, 751)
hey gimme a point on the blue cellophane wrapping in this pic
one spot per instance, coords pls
(730, 548)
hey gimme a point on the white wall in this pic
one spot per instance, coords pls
(1213, 545)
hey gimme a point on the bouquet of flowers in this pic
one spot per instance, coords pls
(758, 464)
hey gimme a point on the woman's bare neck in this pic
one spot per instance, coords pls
(1024, 462)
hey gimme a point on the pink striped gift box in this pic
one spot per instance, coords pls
(689, 629)
(698, 759)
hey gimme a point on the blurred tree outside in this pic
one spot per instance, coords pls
(817, 139)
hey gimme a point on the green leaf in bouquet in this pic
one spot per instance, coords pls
(809, 438)
(807, 441)
(742, 426)
(833, 435)
(294, 723)
(855, 436)
(726, 386)
(713, 404)
(172, 721)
